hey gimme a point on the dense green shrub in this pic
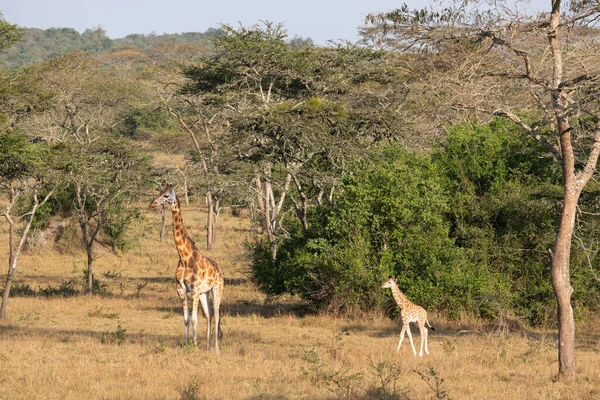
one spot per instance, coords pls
(465, 229)
(389, 219)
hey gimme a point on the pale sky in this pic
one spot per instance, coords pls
(321, 20)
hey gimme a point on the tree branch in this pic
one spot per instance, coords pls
(530, 131)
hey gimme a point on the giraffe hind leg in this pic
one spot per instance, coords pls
(423, 332)
(207, 314)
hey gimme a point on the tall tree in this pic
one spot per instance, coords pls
(25, 173)
(25, 163)
(294, 116)
(504, 56)
(103, 178)
(102, 167)
(200, 122)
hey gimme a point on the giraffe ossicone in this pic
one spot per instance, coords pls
(409, 312)
(196, 274)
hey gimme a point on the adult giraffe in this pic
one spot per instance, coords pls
(196, 274)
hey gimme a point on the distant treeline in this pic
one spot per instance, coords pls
(38, 45)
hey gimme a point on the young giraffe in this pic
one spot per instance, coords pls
(196, 274)
(409, 312)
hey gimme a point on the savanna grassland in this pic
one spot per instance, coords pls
(128, 344)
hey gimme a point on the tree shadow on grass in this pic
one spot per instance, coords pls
(242, 308)
(235, 281)
(115, 335)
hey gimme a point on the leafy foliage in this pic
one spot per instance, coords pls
(465, 230)
(9, 33)
(18, 157)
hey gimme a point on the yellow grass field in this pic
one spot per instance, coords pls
(129, 345)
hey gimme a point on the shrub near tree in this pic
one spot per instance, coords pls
(505, 201)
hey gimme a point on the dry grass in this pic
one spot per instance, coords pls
(129, 345)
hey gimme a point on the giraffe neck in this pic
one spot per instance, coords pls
(182, 240)
(400, 298)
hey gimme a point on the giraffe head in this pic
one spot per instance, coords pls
(165, 197)
(389, 283)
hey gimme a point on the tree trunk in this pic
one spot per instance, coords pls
(301, 211)
(209, 220)
(89, 247)
(562, 286)
(185, 189)
(269, 214)
(14, 253)
(90, 280)
(9, 275)
(163, 222)
(6, 294)
(216, 211)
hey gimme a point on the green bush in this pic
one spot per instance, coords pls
(465, 230)
(389, 220)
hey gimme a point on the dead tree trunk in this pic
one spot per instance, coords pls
(209, 220)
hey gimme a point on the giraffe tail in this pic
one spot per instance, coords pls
(432, 328)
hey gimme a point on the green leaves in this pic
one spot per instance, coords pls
(465, 230)
(17, 156)
(9, 33)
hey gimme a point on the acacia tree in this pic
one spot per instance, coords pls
(295, 116)
(540, 72)
(9, 33)
(101, 167)
(25, 173)
(24, 165)
(102, 178)
(200, 123)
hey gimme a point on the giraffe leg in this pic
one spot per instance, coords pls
(216, 305)
(195, 300)
(401, 337)
(423, 332)
(181, 291)
(204, 301)
(411, 339)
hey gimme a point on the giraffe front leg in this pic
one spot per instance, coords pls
(411, 340)
(206, 310)
(402, 332)
(181, 291)
(195, 299)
